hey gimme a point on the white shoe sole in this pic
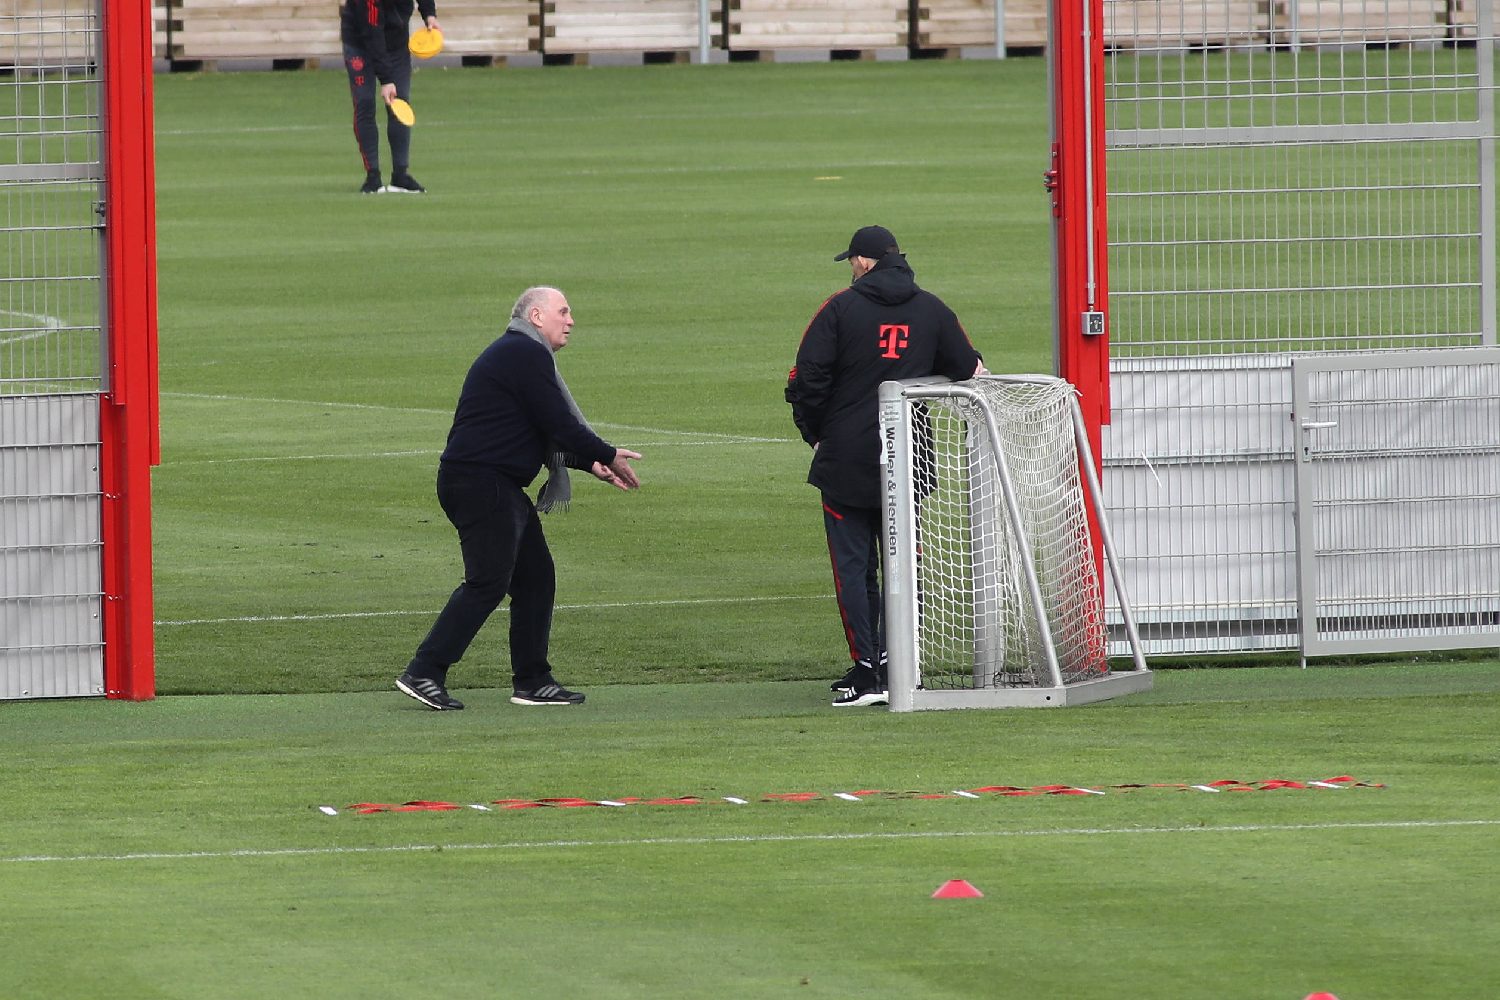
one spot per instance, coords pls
(527, 701)
(868, 698)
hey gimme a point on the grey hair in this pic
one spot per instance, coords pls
(530, 299)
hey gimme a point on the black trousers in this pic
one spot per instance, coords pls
(854, 548)
(504, 552)
(364, 89)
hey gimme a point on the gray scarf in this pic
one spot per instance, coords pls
(557, 491)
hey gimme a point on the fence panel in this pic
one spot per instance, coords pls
(1398, 500)
(1284, 180)
(51, 354)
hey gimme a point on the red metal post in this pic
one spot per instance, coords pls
(1076, 180)
(129, 424)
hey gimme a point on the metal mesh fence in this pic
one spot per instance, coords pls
(50, 194)
(1265, 197)
(51, 354)
(1399, 501)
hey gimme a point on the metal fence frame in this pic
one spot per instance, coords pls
(78, 393)
(1283, 184)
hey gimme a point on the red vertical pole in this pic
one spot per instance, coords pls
(1077, 183)
(129, 426)
(1076, 180)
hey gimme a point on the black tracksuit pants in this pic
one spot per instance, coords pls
(364, 88)
(854, 547)
(504, 552)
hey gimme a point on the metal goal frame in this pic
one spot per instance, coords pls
(1052, 686)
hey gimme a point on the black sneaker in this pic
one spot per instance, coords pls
(429, 692)
(549, 693)
(862, 686)
(859, 671)
(404, 183)
(372, 183)
(859, 697)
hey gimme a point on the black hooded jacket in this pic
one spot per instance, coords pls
(881, 327)
(379, 29)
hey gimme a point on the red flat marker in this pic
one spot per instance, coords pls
(956, 888)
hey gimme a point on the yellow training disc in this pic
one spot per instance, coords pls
(403, 112)
(426, 43)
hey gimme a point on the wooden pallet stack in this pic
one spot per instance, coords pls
(51, 33)
(306, 33)
(59, 34)
(949, 25)
(578, 27)
(1364, 22)
(211, 30)
(1149, 24)
(487, 32)
(860, 26)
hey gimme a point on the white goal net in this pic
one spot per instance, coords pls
(994, 596)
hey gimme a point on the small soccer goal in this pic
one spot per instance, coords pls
(994, 597)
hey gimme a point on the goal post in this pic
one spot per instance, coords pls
(994, 597)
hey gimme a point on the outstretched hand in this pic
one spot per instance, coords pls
(618, 472)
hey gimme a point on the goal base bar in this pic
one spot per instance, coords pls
(1080, 693)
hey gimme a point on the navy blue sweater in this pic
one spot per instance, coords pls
(510, 408)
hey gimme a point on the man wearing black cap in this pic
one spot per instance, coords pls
(881, 327)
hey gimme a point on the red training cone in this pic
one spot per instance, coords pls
(956, 888)
(1320, 996)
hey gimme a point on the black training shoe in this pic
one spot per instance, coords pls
(859, 672)
(860, 697)
(372, 183)
(404, 183)
(550, 693)
(864, 688)
(429, 692)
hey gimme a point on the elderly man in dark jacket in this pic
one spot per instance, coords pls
(881, 327)
(515, 416)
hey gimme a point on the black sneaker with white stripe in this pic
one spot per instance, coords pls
(403, 183)
(549, 692)
(860, 697)
(429, 692)
(862, 686)
(858, 670)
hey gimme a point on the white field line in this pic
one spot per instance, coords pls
(673, 438)
(250, 619)
(49, 324)
(754, 839)
(718, 442)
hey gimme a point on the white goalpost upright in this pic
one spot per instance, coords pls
(994, 596)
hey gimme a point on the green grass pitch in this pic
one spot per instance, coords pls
(312, 344)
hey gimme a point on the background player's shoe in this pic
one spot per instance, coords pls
(371, 184)
(404, 183)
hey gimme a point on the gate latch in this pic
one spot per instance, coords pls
(1049, 184)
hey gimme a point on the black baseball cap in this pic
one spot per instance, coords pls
(873, 242)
